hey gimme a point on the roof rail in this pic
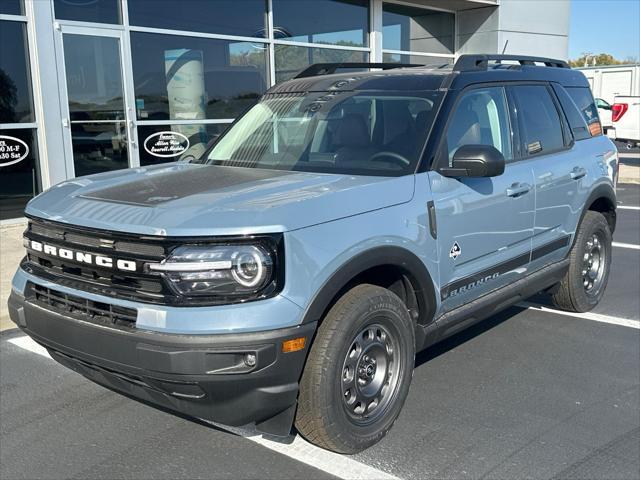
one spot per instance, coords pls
(471, 63)
(329, 68)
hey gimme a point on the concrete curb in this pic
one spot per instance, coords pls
(629, 174)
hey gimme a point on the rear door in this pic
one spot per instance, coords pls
(558, 168)
(485, 225)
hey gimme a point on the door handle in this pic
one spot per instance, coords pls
(518, 189)
(577, 173)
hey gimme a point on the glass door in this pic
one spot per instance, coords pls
(99, 130)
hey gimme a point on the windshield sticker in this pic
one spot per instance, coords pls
(12, 150)
(166, 144)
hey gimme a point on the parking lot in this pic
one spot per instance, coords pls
(528, 393)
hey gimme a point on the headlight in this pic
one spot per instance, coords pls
(223, 272)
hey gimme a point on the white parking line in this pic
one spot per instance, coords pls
(334, 464)
(596, 317)
(626, 245)
(628, 207)
(27, 343)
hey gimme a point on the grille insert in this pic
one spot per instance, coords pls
(83, 308)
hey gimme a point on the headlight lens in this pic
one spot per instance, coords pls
(244, 271)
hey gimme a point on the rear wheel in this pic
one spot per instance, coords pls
(585, 282)
(358, 372)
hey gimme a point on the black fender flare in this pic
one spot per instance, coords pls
(405, 260)
(605, 191)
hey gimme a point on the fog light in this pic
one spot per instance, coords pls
(250, 359)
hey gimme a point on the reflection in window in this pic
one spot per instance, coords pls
(290, 60)
(415, 59)
(190, 141)
(190, 78)
(21, 180)
(94, 79)
(229, 17)
(417, 30)
(336, 22)
(99, 147)
(481, 118)
(101, 11)
(16, 103)
(11, 7)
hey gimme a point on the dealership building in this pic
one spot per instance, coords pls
(89, 86)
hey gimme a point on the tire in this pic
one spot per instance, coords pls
(579, 291)
(353, 342)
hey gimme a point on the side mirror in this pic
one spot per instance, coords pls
(602, 104)
(475, 161)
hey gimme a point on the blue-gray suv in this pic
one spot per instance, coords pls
(344, 223)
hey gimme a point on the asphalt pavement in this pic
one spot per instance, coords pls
(528, 393)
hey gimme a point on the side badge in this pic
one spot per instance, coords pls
(455, 251)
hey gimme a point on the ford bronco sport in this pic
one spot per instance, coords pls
(344, 223)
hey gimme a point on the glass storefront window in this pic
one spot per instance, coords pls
(11, 7)
(94, 78)
(170, 143)
(335, 22)
(190, 78)
(230, 17)
(19, 170)
(16, 103)
(417, 30)
(415, 59)
(290, 59)
(99, 11)
(99, 147)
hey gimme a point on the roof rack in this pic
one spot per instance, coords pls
(329, 68)
(474, 63)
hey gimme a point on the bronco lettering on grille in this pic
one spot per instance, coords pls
(83, 257)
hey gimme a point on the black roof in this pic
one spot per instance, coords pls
(468, 69)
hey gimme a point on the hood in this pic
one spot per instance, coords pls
(188, 199)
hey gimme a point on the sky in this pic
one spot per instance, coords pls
(605, 26)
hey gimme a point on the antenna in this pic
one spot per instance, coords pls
(504, 49)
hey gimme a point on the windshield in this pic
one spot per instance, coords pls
(357, 133)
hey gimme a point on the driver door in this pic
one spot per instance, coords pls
(485, 225)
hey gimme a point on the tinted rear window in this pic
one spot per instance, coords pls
(583, 99)
(574, 116)
(540, 120)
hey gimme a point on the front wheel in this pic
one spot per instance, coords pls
(358, 373)
(584, 283)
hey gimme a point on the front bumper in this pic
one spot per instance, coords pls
(203, 376)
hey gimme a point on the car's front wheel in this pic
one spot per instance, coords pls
(358, 372)
(588, 274)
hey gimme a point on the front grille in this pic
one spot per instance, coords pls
(82, 308)
(138, 285)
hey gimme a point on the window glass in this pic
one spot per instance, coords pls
(356, 133)
(540, 119)
(189, 78)
(575, 118)
(99, 147)
(11, 7)
(417, 29)
(415, 59)
(170, 143)
(20, 179)
(16, 104)
(94, 78)
(583, 99)
(336, 22)
(230, 17)
(290, 60)
(481, 118)
(100, 11)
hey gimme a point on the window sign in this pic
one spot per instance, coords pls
(166, 144)
(12, 150)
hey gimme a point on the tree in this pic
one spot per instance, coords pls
(595, 60)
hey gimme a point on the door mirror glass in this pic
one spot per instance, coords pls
(475, 161)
